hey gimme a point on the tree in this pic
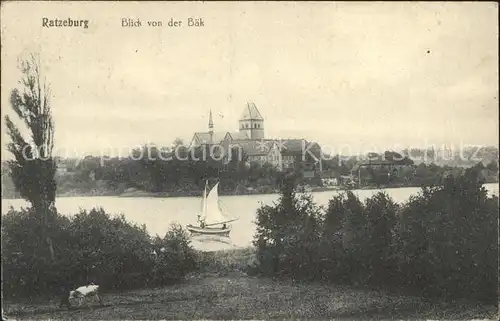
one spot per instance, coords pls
(288, 234)
(492, 166)
(177, 143)
(33, 168)
(380, 211)
(153, 162)
(331, 238)
(354, 236)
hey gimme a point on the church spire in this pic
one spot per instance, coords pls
(210, 122)
(211, 128)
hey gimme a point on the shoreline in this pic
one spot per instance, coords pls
(145, 194)
(222, 193)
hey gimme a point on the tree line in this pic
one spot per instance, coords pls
(185, 174)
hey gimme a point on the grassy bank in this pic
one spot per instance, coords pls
(220, 289)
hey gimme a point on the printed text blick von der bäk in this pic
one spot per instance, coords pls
(173, 23)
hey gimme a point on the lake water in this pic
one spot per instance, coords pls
(158, 213)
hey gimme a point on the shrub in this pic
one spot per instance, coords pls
(380, 211)
(26, 271)
(175, 258)
(357, 238)
(91, 246)
(288, 235)
(109, 250)
(448, 238)
(330, 247)
(441, 242)
(354, 236)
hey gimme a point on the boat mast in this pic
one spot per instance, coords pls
(205, 198)
(203, 214)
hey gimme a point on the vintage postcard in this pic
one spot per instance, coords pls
(249, 160)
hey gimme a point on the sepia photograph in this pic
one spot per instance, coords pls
(249, 160)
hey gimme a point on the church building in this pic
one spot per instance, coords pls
(256, 148)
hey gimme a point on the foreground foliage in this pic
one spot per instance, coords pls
(91, 246)
(442, 242)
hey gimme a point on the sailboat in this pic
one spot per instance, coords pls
(212, 220)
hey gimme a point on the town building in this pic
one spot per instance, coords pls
(391, 167)
(251, 143)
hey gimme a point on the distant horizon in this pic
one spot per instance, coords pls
(356, 150)
(452, 152)
(384, 75)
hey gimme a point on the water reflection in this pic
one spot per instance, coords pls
(209, 243)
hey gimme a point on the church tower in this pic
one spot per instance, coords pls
(211, 127)
(252, 122)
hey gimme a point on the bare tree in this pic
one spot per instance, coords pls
(33, 168)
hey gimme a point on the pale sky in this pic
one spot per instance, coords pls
(342, 74)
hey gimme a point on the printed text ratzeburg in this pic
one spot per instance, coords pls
(51, 23)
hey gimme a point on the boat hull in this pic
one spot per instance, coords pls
(197, 230)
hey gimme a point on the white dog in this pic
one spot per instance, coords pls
(83, 292)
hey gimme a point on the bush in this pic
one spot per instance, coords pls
(381, 212)
(330, 248)
(442, 242)
(175, 258)
(448, 239)
(91, 246)
(109, 251)
(26, 270)
(357, 238)
(288, 235)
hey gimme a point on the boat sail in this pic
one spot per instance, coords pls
(212, 215)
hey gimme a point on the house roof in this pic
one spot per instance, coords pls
(253, 147)
(251, 112)
(204, 137)
(297, 146)
(238, 135)
(291, 145)
(262, 147)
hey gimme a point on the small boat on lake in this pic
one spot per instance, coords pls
(212, 220)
